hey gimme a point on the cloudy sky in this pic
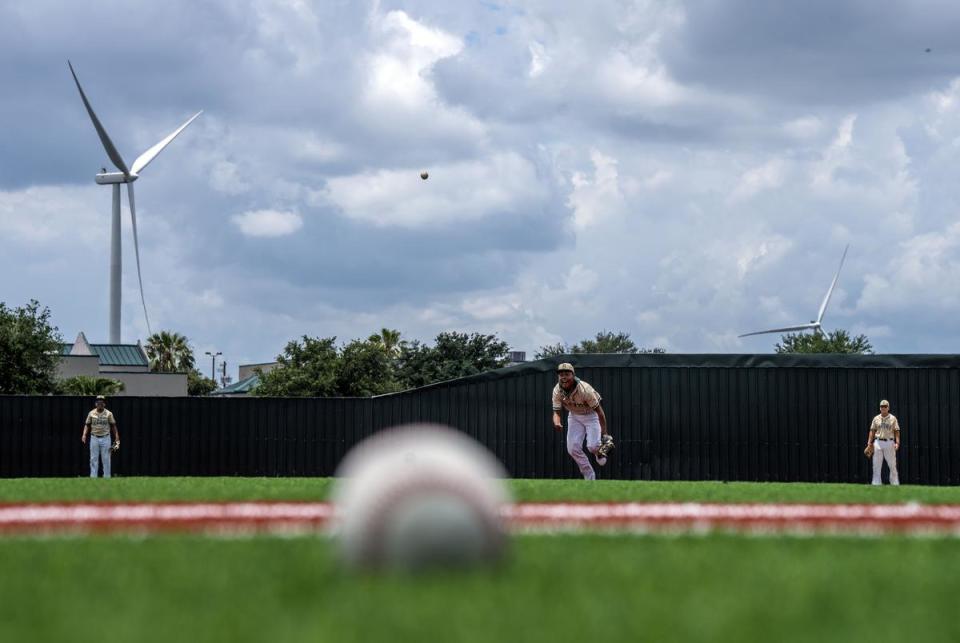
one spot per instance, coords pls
(682, 171)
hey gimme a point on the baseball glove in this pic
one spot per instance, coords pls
(115, 447)
(868, 451)
(606, 446)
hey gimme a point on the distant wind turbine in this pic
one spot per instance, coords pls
(127, 176)
(814, 325)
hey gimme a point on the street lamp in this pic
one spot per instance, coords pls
(213, 363)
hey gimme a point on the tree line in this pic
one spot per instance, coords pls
(384, 362)
(603, 342)
(381, 363)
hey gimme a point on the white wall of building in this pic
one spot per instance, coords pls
(246, 370)
(74, 365)
(137, 381)
(151, 384)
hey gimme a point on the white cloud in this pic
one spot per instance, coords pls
(915, 275)
(407, 50)
(768, 176)
(581, 280)
(308, 146)
(805, 127)
(293, 28)
(625, 80)
(766, 252)
(454, 193)
(538, 59)
(493, 307)
(599, 196)
(42, 215)
(209, 299)
(397, 101)
(880, 331)
(836, 155)
(648, 317)
(268, 223)
(947, 101)
(225, 178)
(639, 187)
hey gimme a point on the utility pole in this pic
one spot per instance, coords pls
(213, 364)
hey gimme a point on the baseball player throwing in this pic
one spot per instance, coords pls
(585, 419)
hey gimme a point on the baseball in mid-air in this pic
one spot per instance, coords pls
(424, 175)
(420, 497)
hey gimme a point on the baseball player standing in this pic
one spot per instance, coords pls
(99, 425)
(585, 419)
(884, 435)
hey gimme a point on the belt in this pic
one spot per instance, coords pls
(885, 439)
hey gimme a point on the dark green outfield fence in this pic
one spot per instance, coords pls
(675, 417)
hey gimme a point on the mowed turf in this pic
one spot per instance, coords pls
(21, 490)
(553, 588)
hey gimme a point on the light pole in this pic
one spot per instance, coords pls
(213, 364)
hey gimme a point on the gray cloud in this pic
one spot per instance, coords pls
(682, 171)
(818, 52)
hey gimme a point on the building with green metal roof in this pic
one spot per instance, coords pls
(127, 363)
(237, 389)
(124, 357)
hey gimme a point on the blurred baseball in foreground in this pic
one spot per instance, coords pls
(419, 496)
(424, 176)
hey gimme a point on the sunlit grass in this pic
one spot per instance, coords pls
(172, 488)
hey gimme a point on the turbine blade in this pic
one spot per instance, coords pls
(136, 252)
(144, 159)
(102, 133)
(780, 330)
(826, 300)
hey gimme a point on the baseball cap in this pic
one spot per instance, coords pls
(100, 397)
(884, 403)
(566, 366)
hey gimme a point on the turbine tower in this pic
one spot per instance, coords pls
(128, 176)
(815, 324)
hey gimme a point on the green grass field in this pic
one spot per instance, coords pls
(196, 489)
(553, 588)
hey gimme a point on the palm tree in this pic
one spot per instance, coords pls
(86, 385)
(389, 339)
(169, 352)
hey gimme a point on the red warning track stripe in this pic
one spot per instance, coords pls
(157, 517)
(286, 517)
(753, 518)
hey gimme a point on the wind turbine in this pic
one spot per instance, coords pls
(815, 324)
(128, 176)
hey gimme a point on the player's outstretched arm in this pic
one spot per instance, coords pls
(603, 419)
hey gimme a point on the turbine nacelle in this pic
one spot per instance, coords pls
(111, 178)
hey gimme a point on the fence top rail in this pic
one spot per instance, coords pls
(706, 360)
(589, 361)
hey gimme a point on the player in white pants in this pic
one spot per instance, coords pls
(884, 435)
(100, 424)
(585, 419)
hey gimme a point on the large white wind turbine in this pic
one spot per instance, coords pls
(127, 176)
(815, 324)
